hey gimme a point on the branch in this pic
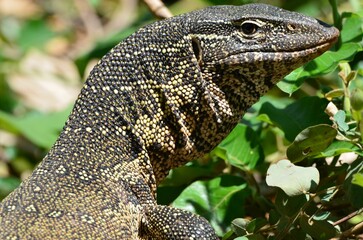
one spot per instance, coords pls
(158, 8)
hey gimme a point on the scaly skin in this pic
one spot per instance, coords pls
(166, 95)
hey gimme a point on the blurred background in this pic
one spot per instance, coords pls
(48, 47)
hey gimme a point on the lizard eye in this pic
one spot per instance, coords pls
(249, 28)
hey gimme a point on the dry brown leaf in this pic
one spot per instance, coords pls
(18, 8)
(45, 83)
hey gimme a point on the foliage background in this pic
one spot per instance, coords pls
(47, 48)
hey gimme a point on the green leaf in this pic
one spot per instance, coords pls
(184, 175)
(335, 93)
(358, 179)
(94, 3)
(217, 200)
(178, 179)
(241, 148)
(297, 234)
(293, 119)
(293, 180)
(339, 147)
(256, 224)
(289, 206)
(356, 99)
(317, 229)
(241, 238)
(354, 192)
(228, 235)
(328, 195)
(329, 61)
(293, 81)
(252, 237)
(7, 97)
(7, 185)
(352, 28)
(311, 141)
(35, 34)
(339, 118)
(274, 217)
(239, 225)
(264, 118)
(324, 64)
(41, 129)
(323, 215)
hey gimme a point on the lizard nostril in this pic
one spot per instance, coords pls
(291, 27)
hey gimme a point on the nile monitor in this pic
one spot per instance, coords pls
(167, 94)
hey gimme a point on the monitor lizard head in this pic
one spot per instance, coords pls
(237, 54)
(256, 43)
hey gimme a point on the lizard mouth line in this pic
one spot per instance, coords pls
(301, 52)
(322, 47)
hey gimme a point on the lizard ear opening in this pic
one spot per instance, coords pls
(197, 50)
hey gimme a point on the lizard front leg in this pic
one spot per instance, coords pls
(164, 222)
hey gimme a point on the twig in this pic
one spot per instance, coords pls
(349, 216)
(89, 18)
(158, 8)
(122, 17)
(355, 229)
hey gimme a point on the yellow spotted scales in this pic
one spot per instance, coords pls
(166, 95)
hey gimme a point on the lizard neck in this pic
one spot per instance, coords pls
(99, 142)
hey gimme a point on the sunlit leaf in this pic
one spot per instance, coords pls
(358, 179)
(352, 28)
(339, 118)
(292, 179)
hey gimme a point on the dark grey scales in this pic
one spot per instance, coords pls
(167, 94)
